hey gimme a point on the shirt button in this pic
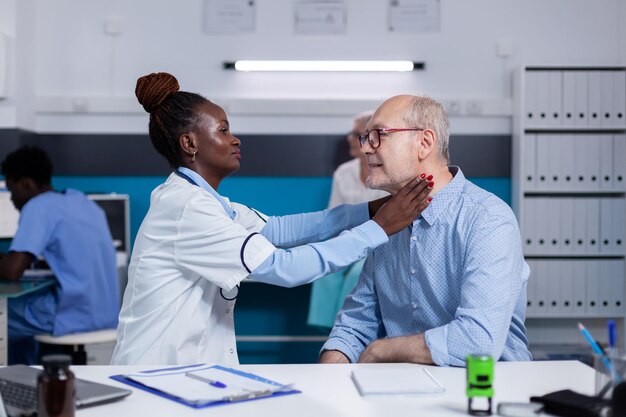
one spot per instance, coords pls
(413, 238)
(414, 305)
(227, 310)
(412, 271)
(232, 350)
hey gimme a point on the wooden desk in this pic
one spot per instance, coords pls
(328, 390)
(13, 289)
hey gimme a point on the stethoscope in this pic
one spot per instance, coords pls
(191, 181)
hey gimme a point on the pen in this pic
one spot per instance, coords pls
(595, 347)
(212, 382)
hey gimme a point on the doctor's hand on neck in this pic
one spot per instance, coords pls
(404, 207)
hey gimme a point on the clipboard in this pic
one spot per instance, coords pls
(239, 386)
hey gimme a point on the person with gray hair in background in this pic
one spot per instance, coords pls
(452, 283)
(348, 187)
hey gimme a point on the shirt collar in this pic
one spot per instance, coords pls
(444, 199)
(196, 179)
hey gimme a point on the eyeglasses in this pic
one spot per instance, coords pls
(373, 136)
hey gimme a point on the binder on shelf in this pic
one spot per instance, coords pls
(593, 289)
(618, 225)
(605, 143)
(607, 103)
(529, 162)
(554, 288)
(530, 98)
(566, 225)
(581, 94)
(605, 284)
(580, 162)
(593, 161)
(530, 288)
(543, 162)
(569, 98)
(579, 277)
(529, 227)
(619, 162)
(592, 225)
(617, 288)
(619, 97)
(551, 213)
(568, 168)
(541, 288)
(539, 205)
(580, 232)
(607, 246)
(200, 386)
(555, 161)
(595, 98)
(555, 98)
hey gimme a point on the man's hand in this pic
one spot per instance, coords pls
(412, 349)
(404, 207)
(333, 356)
(13, 265)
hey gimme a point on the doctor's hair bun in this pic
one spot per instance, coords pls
(153, 89)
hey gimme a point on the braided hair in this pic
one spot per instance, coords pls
(172, 112)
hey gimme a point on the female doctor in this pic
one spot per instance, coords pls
(195, 246)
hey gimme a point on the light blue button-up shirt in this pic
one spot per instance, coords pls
(457, 274)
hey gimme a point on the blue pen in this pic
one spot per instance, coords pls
(212, 382)
(612, 336)
(595, 347)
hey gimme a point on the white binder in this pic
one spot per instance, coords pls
(529, 161)
(530, 288)
(592, 268)
(569, 98)
(568, 168)
(595, 98)
(606, 226)
(566, 279)
(619, 162)
(554, 288)
(617, 289)
(542, 220)
(580, 232)
(605, 285)
(593, 162)
(542, 99)
(530, 98)
(607, 104)
(605, 143)
(581, 91)
(555, 99)
(551, 214)
(618, 228)
(543, 162)
(566, 225)
(541, 288)
(579, 275)
(580, 162)
(592, 225)
(529, 226)
(555, 166)
(619, 104)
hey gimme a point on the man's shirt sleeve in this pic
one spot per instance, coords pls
(359, 322)
(35, 229)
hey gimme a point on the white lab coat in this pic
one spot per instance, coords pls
(187, 249)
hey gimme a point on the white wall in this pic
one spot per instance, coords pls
(84, 79)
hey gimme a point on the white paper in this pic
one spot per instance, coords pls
(9, 216)
(410, 16)
(411, 381)
(320, 17)
(174, 382)
(229, 16)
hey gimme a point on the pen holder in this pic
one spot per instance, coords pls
(610, 371)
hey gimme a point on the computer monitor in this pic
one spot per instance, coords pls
(9, 216)
(117, 210)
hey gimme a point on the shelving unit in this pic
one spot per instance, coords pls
(569, 184)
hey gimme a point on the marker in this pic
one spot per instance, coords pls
(212, 382)
(595, 347)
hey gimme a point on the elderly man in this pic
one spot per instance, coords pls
(451, 284)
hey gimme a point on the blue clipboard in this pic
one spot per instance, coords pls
(124, 379)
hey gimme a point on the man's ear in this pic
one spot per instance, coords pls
(427, 144)
(188, 143)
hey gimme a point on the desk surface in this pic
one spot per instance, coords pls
(327, 390)
(12, 289)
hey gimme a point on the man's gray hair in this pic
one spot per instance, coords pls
(424, 112)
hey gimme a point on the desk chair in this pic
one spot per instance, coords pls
(74, 344)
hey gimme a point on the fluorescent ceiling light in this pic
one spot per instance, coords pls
(316, 66)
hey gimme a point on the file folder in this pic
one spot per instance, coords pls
(619, 162)
(607, 104)
(554, 288)
(580, 217)
(544, 154)
(606, 161)
(569, 98)
(568, 168)
(593, 289)
(566, 281)
(593, 161)
(592, 223)
(606, 226)
(566, 225)
(530, 98)
(595, 98)
(529, 161)
(619, 226)
(581, 92)
(617, 289)
(619, 103)
(580, 162)
(579, 275)
(555, 99)
(175, 385)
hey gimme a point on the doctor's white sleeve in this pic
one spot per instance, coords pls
(303, 264)
(299, 229)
